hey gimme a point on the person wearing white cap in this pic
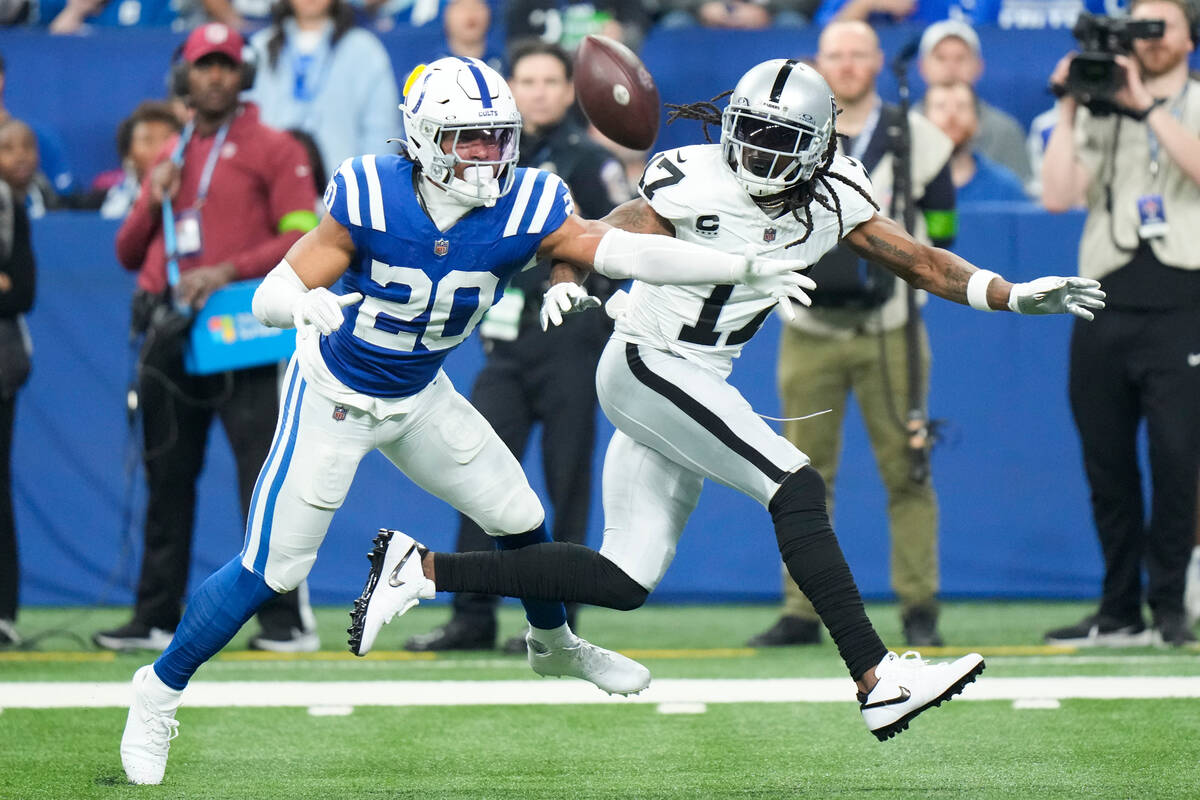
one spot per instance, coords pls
(950, 53)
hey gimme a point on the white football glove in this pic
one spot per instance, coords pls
(564, 298)
(322, 309)
(1055, 295)
(778, 278)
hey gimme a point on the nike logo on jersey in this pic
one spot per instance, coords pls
(900, 698)
(1194, 359)
(679, 157)
(394, 578)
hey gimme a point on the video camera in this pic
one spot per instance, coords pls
(1095, 76)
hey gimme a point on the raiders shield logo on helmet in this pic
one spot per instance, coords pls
(441, 247)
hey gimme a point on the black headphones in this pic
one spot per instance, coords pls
(177, 75)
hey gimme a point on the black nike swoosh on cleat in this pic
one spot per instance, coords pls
(392, 579)
(902, 698)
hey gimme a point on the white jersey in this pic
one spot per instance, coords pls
(696, 191)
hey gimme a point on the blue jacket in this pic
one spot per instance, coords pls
(992, 181)
(345, 96)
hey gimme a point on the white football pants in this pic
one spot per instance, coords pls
(677, 424)
(442, 444)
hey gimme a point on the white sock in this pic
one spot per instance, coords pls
(555, 638)
(157, 692)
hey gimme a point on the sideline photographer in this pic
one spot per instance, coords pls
(239, 194)
(1137, 169)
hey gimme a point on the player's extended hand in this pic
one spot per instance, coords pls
(778, 278)
(1055, 295)
(564, 298)
(322, 309)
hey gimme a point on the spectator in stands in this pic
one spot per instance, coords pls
(241, 15)
(950, 52)
(51, 151)
(566, 22)
(878, 12)
(466, 24)
(241, 194)
(17, 278)
(738, 15)
(1138, 172)
(20, 170)
(1035, 145)
(853, 340)
(532, 377)
(141, 138)
(317, 72)
(386, 15)
(76, 16)
(977, 179)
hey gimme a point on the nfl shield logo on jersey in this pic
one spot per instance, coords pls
(339, 413)
(441, 247)
(768, 235)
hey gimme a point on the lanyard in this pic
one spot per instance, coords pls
(1152, 140)
(860, 143)
(210, 164)
(309, 72)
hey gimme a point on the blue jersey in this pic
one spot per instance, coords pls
(424, 289)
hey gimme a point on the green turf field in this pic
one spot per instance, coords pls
(1086, 748)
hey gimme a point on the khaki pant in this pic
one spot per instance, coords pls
(816, 373)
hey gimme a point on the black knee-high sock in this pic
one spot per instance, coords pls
(815, 561)
(552, 571)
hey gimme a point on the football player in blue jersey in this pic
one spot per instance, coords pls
(422, 244)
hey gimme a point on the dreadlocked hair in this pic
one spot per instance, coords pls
(706, 111)
(798, 199)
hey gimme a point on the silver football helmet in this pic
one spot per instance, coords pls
(455, 101)
(777, 126)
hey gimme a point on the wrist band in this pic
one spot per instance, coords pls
(977, 286)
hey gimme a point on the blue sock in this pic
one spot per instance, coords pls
(215, 613)
(544, 614)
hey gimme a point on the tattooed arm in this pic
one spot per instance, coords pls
(883, 241)
(939, 271)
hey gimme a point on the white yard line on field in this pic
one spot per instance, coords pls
(557, 692)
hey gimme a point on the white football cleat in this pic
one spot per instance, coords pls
(612, 672)
(1191, 591)
(149, 729)
(395, 585)
(908, 685)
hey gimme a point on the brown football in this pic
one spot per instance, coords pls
(616, 92)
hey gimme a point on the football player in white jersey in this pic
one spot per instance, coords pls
(422, 244)
(774, 183)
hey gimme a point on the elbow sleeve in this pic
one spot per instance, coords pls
(276, 296)
(658, 259)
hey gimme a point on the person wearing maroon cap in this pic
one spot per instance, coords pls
(241, 194)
